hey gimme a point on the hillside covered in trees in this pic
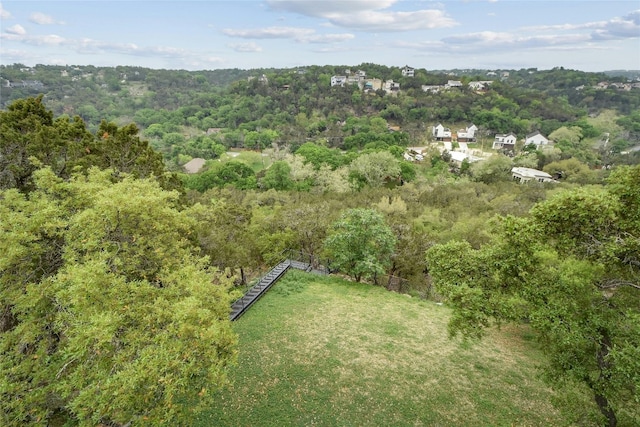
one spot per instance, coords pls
(200, 114)
(112, 252)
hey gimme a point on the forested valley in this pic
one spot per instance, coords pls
(119, 265)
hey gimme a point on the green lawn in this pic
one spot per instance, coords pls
(322, 351)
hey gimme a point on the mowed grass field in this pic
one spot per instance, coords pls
(322, 351)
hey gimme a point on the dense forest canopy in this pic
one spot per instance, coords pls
(187, 114)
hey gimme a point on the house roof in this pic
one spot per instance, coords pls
(504, 135)
(194, 165)
(531, 173)
(532, 134)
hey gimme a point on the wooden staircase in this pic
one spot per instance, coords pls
(239, 307)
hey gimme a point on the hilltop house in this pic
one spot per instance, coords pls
(468, 134)
(480, 85)
(527, 174)
(372, 84)
(432, 88)
(536, 138)
(390, 86)
(338, 80)
(441, 133)
(505, 141)
(408, 71)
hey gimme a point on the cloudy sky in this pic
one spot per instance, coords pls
(490, 34)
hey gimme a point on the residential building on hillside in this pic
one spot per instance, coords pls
(480, 85)
(522, 175)
(390, 86)
(338, 80)
(536, 138)
(372, 84)
(441, 133)
(468, 134)
(408, 71)
(505, 141)
(432, 88)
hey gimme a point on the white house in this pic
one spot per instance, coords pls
(468, 134)
(432, 88)
(480, 85)
(440, 133)
(453, 83)
(338, 80)
(504, 141)
(536, 138)
(391, 86)
(408, 71)
(527, 174)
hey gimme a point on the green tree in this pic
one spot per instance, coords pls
(30, 137)
(224, 234)
(109, 314)
(494, 169)
(319, 155)
(360, 243)
(374, 169)
(278, 176)
(571, 269)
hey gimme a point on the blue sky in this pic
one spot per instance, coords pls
(196, 35)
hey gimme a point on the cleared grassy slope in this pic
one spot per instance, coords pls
(322, 351)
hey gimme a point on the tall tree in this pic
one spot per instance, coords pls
(360, 243)
(374, 169)
(29, 137)
(572, 269)
(109, 314)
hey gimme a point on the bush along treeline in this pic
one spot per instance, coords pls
(117, 275)
(200, 114)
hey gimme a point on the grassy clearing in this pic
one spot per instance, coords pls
(322, 351)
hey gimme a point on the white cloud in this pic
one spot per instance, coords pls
(625, 27)
(327, 38)
(619, 27)
(4, 13)
(367, 15)
(47, 40)
(17, 30)
(245, 47)
(320, 8)
(490, 40)
(270, 33)
(301, 35)
(374, 21)
(42, 19)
